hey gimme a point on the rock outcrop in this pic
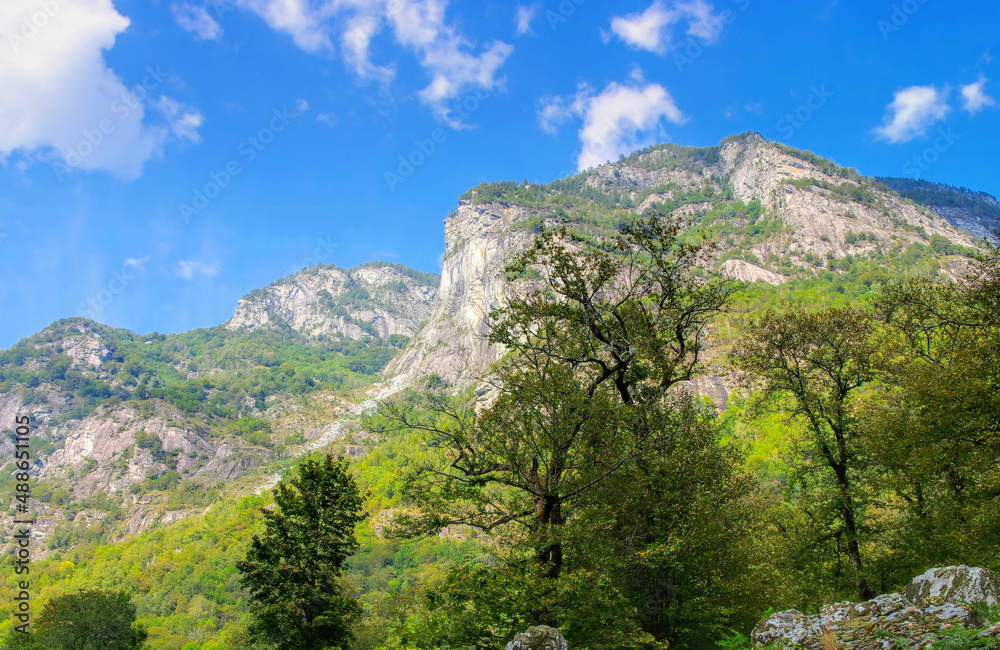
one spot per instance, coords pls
(937, 600)
(371, 300)
(541, 637)
(480, 240)
(750, 273)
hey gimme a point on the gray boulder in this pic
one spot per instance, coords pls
(954, 584)
(938, 599)
(541, 637)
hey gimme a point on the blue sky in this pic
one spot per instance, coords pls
(159, 159)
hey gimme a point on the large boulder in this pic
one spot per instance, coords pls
(541, 637)
(954, 584)
(938, 599)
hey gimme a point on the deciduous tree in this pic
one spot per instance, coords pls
(814, 365)
(293, 569)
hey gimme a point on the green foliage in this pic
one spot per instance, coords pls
(483, 606)
(853, 192)
(152, 442)
(255, 365)
(941, 245)
(89, 620)
(828, 167)
(687, 534)
(292, 570)
(183, 575)
(734, 640)
(978, 204)
(813, 365)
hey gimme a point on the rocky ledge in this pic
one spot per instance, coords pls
(938, 600)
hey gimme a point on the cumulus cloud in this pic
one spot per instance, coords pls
(184, 120)
(418, 26)
(975, 98)
(651, 29)
(524, 17)
(191, 269)
(59, 101)
(197, 21)
(616, 121)
(912, 111)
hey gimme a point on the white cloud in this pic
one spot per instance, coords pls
(297, 18)
(524, 17)
(138, 263)
(650, 30)
(647, 30)
(418, 26)
(190, 269)
(327, 118)
(184, 120)
(556, 111)
(703, 22)
(975, 97)
(197, 21)
(58, 99)
(617, 121)
(355, 43)
(912, 111)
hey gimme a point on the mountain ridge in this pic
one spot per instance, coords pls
(143, 418)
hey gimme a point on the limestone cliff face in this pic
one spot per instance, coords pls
(479, 241)
(825, 211)
(820, 219)
(324, 300)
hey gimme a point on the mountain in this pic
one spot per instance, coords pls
(137, 430)
(777, 214)
(976, 212)
(151, 427)
(375, 299)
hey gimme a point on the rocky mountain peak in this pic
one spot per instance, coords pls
(773, 211)
(376, 299)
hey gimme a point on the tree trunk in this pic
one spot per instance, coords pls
(548, 549)
(853, 550)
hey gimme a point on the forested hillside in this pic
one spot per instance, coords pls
(644, 404)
